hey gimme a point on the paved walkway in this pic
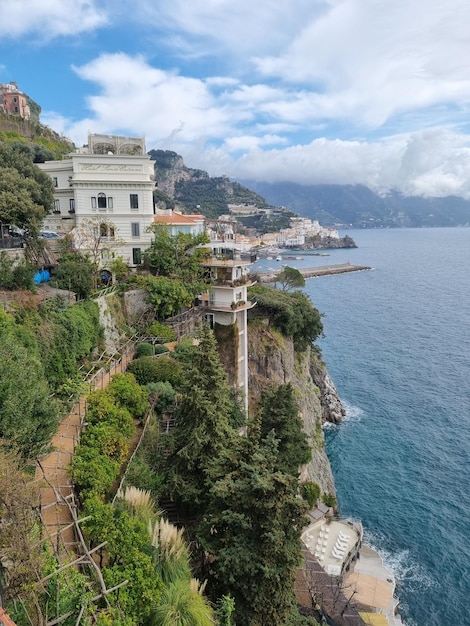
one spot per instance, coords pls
(57, 499)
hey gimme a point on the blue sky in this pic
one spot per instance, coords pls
(309, 91)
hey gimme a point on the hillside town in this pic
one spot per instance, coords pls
(103, 205)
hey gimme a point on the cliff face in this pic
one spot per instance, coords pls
(273, 361)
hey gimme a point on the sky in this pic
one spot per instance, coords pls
(373, 92)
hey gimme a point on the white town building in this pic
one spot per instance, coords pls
(111, 178)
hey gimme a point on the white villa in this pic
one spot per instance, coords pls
(110, 178)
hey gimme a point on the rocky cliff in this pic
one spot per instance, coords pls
(273, 361)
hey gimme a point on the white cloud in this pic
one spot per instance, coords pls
(277, 76)
(46, 19)
(368, 61)
(242, 28)
(135, 97)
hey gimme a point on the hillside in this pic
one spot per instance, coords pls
(195, 190)
(44, 143)
(358, 206)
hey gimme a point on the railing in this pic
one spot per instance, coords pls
(7, 243)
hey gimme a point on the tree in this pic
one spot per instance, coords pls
(177, 256)
(75, 270)
(28, 415)
(290, 278)
(203, 428)
(293, 314)
(278, 412)
(21, 554)
(251, 531)
(26, 193)
(169, 295)
(95, 237)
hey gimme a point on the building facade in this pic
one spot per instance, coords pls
(13, 101)
(107, 185)
(227, 303)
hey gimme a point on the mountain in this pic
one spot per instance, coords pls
(195, 190)
(358, 206)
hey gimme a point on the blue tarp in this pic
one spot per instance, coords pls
(43, 276)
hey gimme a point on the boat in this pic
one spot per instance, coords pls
(279, 258)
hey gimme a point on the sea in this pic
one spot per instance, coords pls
(397, 346)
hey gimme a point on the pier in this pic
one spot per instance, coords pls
(314, 272)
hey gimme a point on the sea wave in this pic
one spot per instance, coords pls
(404, 567)
(353, 413)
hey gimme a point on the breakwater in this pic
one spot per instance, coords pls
(313, 272)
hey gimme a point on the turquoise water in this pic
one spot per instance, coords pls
(397, 345)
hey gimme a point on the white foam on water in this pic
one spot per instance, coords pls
(402, 564)
(353, 413)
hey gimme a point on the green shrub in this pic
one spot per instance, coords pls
(93, 473)
(329, 500)
(126, 392)
(150, 370)
(102, 408)
(185, 350)
(157, 329)
(293, 314)
(143, 349)
(160, 349)
(166, 396)
(311, 493)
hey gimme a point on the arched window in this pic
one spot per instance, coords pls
(102, 201)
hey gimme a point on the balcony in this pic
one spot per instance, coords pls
(234, 307)
(228, 282)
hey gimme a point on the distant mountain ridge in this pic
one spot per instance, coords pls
(357, 206)
(348, 206)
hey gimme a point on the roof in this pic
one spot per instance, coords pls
(178, 218)
(5, 619)
(368, 591)
(374, 619)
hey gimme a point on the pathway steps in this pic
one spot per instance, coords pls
(56, 489)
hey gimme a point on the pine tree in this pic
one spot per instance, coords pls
(203, 429)
(252, 532)
(279, 412)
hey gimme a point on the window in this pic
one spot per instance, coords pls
(134, 200)
(56, 206)
(93, 202)
(71, 205)
(15, 99)
(102, 201)
(54, 180)
(136, 256)
(110, 202)
(106, 232)
(135, 229)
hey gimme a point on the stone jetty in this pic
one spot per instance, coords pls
(314, 272)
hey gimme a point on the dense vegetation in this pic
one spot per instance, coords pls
(44, 143)
(40, 352)
(292, 313)
(26, 193)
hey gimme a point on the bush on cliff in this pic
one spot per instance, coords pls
(292, 314)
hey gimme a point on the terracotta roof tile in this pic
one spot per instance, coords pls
(178, 218)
